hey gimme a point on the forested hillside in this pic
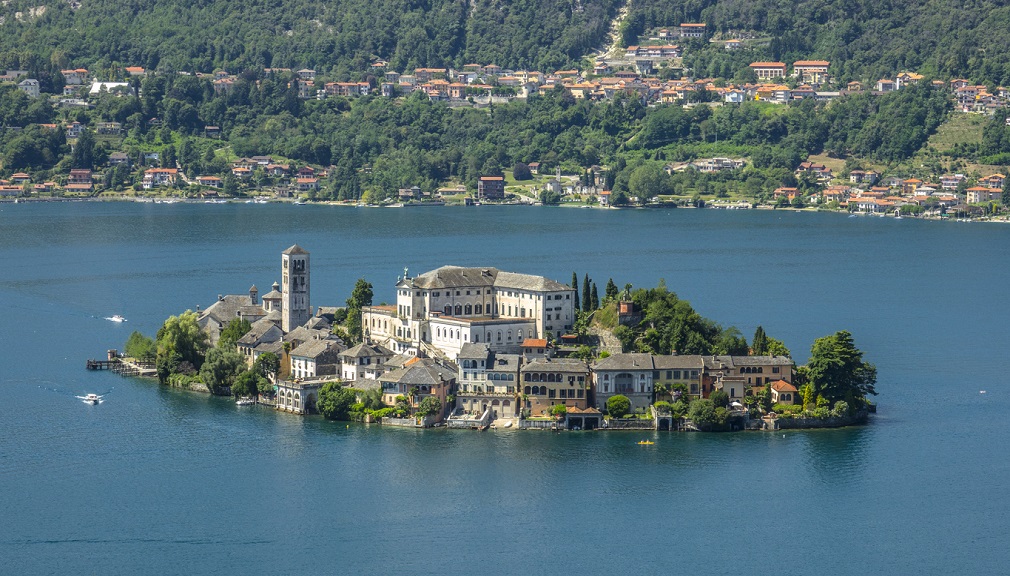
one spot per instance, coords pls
(864, 39)
(337, 38)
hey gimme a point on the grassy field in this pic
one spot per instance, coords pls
(963, 128)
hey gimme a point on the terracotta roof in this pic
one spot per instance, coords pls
(782, 386)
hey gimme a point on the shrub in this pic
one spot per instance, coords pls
(822, 412)
(618, 405)
(663, 407)
(841, 409)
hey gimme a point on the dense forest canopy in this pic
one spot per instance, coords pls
(337, 38)
(864, 39)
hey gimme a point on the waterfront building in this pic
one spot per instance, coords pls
(548, 382)
(672, 370)
(441, 310)
(487, 380)
(735, 375)
(315, 358)
(264, 336)
(297, 397)
(418, 379)
(365, 361)
(628, 374)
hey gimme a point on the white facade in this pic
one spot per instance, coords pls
(451, 306)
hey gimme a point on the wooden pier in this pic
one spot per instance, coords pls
(123, 368)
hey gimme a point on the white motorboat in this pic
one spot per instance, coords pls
(91, 399)
(115, 318)
(245, 401)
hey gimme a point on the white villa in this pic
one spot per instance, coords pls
(441, 310)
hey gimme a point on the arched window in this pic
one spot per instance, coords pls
(519, 336)
(499, 335)
(510, 335)
(511, 378)
(448, 309)
(559, 378)
(550, 378)
(476, 337)
(468, 309)
(478, 309)
(526, 390)
(459, 310)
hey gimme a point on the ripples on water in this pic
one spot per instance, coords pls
(162, 481)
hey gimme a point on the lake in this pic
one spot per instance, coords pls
(168, 482)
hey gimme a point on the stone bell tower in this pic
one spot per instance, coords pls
(295, 309)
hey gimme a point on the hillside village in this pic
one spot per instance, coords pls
(643, 72)
(484, 346)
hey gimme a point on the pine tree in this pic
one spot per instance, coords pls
(611, 291)
(586, 294)
(575, 287)
(595, 297)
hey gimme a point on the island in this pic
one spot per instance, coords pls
(478, 347)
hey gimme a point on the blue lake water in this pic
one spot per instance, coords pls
(160, 481)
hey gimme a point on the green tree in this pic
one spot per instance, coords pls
(1005, 197)
(594, 297)
(559, 410)
(706, 415)
(361, 296)
(230, 186)
(575, 287)
(234, 331)
(220, 369)
(180, 339)
(838, 372)
(521, 172)
(141, 347)
(777, 348)
(84, 151)
(334, 401)
(247, 383)
(429, 406)
(610, 292)
(759, 345)
(730, 342)
(647, 181)
(586, 295)
(719, 398)
(267, 364)
(618, 405)
(626, 336)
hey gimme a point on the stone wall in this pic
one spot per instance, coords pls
(832, 422)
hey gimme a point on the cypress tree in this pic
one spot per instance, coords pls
(595, 297)
(586, 294)
(759, 346)
(575, 286)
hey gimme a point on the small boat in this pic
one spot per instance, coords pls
(646, 442)
(508, 424)
(115, 318)
(92, 399)
(245, 401)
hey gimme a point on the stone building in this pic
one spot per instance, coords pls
(295, 288)
(442, 310)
